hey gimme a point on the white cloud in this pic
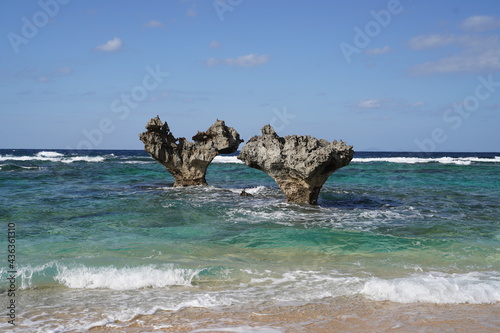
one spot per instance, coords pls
(480, 23)
(391, 105)
(215, 44)
(369, 104)
(154, 24)
(430, 41)
(212, 62)
(462, 63)
(478, 53)
(249, 60)
(111, 45)
(377, 51)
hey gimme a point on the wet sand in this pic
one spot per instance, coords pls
(342, 314)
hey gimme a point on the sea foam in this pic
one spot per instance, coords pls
(399, 160)
(432, 287)
(419, 160)
(109, 277)
(150, 276)
(51, 156)
(227, 159)
(440, 288)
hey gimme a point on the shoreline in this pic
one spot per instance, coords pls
(341, 314)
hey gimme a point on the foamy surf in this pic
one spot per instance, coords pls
(397, 160)
(123, 300)
(419, 160)
(433, 287)
(13, 167)
(50, 156)
(226, 159)
(108, 277)
(127, 278)
(437, 288)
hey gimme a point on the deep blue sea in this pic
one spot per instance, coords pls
(103, 237)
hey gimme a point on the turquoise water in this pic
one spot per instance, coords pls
(106, 236)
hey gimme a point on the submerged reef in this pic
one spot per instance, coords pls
(300, 165)
(188, 161)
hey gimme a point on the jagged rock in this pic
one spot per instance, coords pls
(245, 194)
(299, 164)
(188, 161)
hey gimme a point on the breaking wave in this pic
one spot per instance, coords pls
(227, 159)
(400, 160)
(418, 160)
(51, 156)
(108, 277)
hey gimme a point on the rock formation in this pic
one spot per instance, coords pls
(299, 164)
(188, 161)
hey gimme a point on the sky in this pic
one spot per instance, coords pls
(391, 75)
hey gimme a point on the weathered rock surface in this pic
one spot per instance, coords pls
(188, 161)
(299, 164)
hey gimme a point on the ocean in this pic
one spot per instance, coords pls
(102, 242)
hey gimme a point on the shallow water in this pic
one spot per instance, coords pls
(103, 239)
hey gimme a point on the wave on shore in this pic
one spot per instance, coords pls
(431, 287)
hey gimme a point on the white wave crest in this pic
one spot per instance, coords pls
(440, 288)
(49, 154)
(418, 160)
(227, 159)
(435, 287)
(52, 157)
(137, 162)
(83, 159)
(127, 278)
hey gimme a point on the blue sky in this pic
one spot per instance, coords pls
(388, 75)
